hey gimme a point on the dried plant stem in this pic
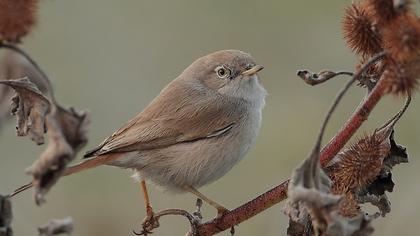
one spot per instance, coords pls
(353, 124)
(27, 57)
(279, 193)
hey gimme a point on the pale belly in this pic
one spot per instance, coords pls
(194, 163)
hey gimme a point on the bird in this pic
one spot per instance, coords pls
(191, 134)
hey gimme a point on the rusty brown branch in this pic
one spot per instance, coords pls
(244, 212)
(279, 192)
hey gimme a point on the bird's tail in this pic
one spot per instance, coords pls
(84, 165)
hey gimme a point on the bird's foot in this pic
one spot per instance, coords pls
(149, 223)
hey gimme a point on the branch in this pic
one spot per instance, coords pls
(244, 212)
(279, 193)
(153, 223)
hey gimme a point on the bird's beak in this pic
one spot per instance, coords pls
(253, 70)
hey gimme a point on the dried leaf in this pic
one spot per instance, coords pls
(382, 184)
(303, 228)
(67, 133)
(14, 66)
(30, 107)
(320, 77)
(356, 226)
(5, 216)
(66, 127)
(56, 227)
(381, 202)
(74, 125)
(309, 197)
(397, 155)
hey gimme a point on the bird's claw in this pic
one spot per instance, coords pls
(149, 223)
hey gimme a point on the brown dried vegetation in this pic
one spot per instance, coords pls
(385, 36)
(17, 17)
(375, 25)
(360, 34)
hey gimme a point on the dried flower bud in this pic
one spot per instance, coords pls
(402, 78)
(384, 11)
(402, 38)
(372, 74)
(359, 32)
(16, 18)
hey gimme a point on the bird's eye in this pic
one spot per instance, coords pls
(223, 72)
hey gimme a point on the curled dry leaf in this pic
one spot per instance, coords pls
(56, 227)
(310, 198)
(66, 127)
(5, 216)
(13, 66)
(30, 107)
(320, 77)
(67, 133)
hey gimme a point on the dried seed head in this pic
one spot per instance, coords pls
(384, 11)
(372, 74)
(358, 165)
(349, 206)
(402, 78)
(402, 38)
(359, 32)
(16, 18)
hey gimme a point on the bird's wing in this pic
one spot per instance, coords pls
(178, 114)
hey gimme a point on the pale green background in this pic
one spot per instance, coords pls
(113, 57)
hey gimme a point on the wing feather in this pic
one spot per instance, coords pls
(179, 114)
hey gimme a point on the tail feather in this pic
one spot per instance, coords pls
(84, 165)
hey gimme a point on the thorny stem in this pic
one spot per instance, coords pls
(279, 192)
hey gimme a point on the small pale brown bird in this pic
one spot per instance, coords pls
(198, 127)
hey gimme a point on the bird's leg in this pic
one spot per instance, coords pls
(149, 209)
(150, 222)
(220, 209)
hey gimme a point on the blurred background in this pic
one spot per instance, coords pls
(112, 57)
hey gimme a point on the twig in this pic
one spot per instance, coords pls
(279, 193)
(397, 116)
(244, 212)
(359, 116)
(193, 221)
(27, 57)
